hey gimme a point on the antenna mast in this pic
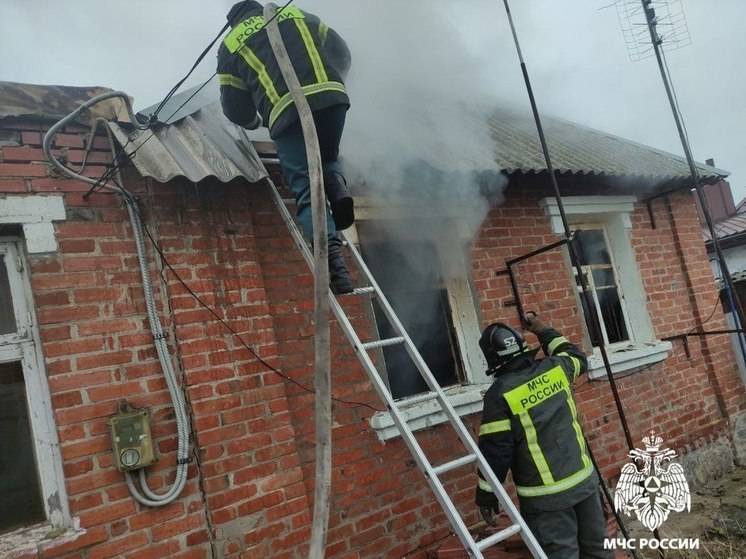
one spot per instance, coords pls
(666, 23)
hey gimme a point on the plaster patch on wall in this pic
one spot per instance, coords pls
(35, 214)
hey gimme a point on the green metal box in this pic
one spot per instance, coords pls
(131, 440)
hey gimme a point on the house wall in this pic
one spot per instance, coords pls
(688, 401)
(250, 486)
(719, 200)
(735, 258)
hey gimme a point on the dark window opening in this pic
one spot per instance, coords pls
(7, 316)
(740, 296)
(409, 274)
(20, 491)
(595, 260)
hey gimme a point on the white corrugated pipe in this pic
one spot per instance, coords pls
(150, 497)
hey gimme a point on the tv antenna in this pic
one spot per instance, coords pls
(648, 26)
(669, 25)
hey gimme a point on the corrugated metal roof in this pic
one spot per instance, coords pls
(199, 141)
(54, 102)
(200, 145)
(578, 149)
(575, 148)
(730, 227)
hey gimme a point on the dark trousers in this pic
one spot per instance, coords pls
(574, 533)
(291, 149)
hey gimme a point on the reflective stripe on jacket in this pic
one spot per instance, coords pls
(530, 426)
(250, 78)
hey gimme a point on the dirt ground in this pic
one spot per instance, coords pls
(717, 517)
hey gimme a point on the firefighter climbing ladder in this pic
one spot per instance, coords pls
(432, 473)
(318, 265)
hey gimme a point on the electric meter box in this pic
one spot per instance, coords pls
(131, 440)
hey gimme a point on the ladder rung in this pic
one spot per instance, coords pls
(453, 464)
(498, 537)
(363, 290)
(383, 343)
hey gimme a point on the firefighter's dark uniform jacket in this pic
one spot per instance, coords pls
(251, 81)
(530, 426)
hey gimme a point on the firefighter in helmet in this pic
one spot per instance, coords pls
(530, 426)
(253, 93)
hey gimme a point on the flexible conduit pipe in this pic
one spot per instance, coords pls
(144, 494)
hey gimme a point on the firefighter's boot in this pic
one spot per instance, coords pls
(339, 277)
(340, 200)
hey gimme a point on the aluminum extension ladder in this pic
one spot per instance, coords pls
(432, 473)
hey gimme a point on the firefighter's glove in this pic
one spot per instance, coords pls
(489, 514)
(534, 324)
(488, 505)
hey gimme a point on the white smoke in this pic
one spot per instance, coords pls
(417, 132)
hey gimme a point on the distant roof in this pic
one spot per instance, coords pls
(728, 229)
(577, 149)
(52, 102)
(741, 207)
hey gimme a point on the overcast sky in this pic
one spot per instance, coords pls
(574, 49)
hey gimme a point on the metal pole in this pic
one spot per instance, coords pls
(322, 381)
(513, 261)
(607, 496)
(591, 317)
(739, 327)
(518, 302)
(657, 46)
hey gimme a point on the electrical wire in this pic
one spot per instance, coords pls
(706, 320)
(238, 336)
(118, 161)
(117, 165)
(153, 116)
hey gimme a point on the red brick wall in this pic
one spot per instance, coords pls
(250, 490)
(372, 516)
(687, 400)
(98, 350)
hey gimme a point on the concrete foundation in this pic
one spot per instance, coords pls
(708, 463)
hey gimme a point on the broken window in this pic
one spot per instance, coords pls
(409, 273)
(595, 258)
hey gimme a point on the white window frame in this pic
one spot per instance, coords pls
(614, 213)
(422, 411)
(25, 346)
(35, 215)
(619, 287)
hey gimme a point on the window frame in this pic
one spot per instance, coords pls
(446, 299)
(614, 212)
(631, 337)
(422, 410)
(25, 346)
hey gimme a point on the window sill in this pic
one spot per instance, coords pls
(423, 411)
(628, 358)
(33, 540)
